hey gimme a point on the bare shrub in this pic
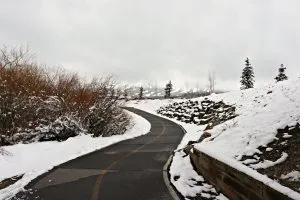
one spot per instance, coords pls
(14, 57)
(36, 105)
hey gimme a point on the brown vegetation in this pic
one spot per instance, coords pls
(39, 104)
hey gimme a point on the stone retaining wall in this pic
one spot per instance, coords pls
(234, 184)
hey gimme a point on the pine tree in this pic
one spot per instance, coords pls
(281, 76)
(168, 90)
(247, 76)
(141, 94)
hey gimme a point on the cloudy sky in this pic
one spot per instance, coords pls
(142, 41)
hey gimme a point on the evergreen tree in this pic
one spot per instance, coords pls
(247, 76)
(281, 76)
(141, 94)
(168, 90)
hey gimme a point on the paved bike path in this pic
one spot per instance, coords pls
(128, 170)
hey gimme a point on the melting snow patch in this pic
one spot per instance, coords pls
(267, 163)
(249, 161)
(269, 149)
(188, 182)
(292, 176)
(286, 135)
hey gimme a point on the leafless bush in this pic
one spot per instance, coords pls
(14, 57)
(33, 102)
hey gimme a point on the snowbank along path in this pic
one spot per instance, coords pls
(132, 169)
(37, 158)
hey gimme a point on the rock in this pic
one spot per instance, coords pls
(203, 121)
(283, 130)
(203, 136)
(192, 142)
(206, 116)
(208, 127)
(187, 149)
(4, 141)
(210, 112)
(294, 130)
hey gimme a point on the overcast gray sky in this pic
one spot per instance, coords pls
(147, 40)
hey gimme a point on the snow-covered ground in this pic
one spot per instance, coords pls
(293, 176)
(261, 111)
(37, 158)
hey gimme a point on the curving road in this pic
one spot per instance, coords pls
(128, 170)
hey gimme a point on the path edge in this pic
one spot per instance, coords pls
(170, 186)
(168, 182)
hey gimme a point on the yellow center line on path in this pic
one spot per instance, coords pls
(95, 193)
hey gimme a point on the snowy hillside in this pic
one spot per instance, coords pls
(264, 134)
(261, 112)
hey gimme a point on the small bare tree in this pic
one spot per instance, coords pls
(156, 88)
(15, 56)
(211, 81)
(125, 91)
(186, 84)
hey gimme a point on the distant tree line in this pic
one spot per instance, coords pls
(247, 81)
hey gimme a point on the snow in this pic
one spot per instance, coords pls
(188, 181)
(268, 163)
(249, 132)
(269, 149)
(261, 111)
(183, 164)
(286, 135)
(292, 176)
(249, 161)
(37, 158)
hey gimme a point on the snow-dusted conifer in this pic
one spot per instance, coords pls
(141, 93)
(247, 76)
(168, 90)
(281, 76)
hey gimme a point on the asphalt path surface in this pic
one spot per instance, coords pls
(128, 170)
